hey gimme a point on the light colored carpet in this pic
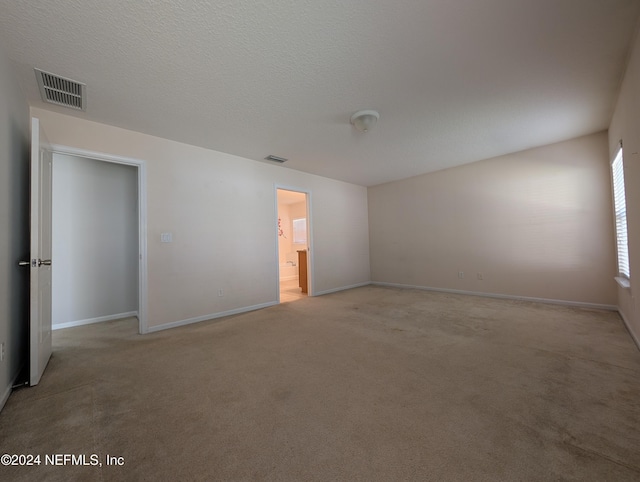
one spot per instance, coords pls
(368, 384)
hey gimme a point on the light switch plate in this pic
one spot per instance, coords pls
(166, 237)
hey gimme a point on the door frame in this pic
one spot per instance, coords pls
(310, 251)
(143, 326)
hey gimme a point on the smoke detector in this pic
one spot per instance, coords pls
(58, 90)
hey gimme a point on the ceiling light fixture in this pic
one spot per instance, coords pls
(364, 120)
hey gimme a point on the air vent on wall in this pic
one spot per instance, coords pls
(61, 91)
(273, 158)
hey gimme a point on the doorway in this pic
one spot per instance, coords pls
(113, 217)
(294, 241)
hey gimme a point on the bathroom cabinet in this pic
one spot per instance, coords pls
(302, 270)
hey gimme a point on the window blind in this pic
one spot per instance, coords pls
(620, 206)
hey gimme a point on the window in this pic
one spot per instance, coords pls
(300, 231)
(621, 214)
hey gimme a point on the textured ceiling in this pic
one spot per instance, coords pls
(454, 81)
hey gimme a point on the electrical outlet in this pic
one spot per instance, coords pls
(220, 292)
(480, 276)
(461, 274)
(2, 351)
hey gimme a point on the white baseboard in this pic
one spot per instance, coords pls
(7, 391)
(212, 316)
(580, 304)
(634, 337)
(342, 288)
(89, 321)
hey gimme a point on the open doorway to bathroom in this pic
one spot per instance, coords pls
(293, 245)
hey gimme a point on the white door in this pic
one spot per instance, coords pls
(40, 263)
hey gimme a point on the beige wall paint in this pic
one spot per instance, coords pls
(536, 224)
(625, 125)
(287, 212)
(215, 247)
(298, 211)
(285, 248)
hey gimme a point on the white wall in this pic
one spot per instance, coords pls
(14, 227)
(190, 191)
(95, 239)
(536, 224)
(625, 125)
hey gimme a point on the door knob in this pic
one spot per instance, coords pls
(34, 263)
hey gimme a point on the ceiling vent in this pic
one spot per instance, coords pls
(273, 158)
(62, 91)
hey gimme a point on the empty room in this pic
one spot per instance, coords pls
(300, 241)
